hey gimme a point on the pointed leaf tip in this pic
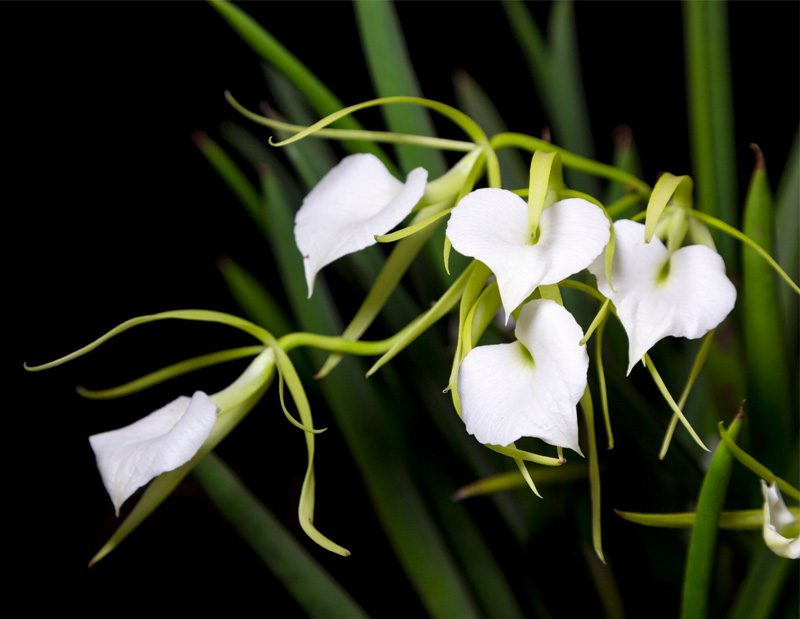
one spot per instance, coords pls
(761, 163)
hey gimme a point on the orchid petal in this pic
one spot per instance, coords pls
(685, 298)
(130, 457)
(529, 387)
(492, 226)
(356, 201)
(778, 523)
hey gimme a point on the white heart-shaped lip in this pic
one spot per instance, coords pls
(529, 387)
(777, 521)
(131, 456)
(688, 300)
(356, 201)
(492, 226)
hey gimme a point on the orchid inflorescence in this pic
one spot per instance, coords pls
(661, 278)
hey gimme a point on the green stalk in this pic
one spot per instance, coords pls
(312, 587)
(702, 545)
(768, 382)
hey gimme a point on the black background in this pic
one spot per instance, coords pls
(110, 212)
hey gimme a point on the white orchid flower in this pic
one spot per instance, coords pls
(129, 457)
(781, 530)
(356, 201)
(492, 225)
(658, 294)
(529, 387)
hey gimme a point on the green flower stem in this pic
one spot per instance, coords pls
(191, 315)
(618, 207)
(312, 587)
(754, 465)
(730, 230)
(702, 545)
(697, 365)
(170, 372)
(332, 343)
(740, 520)
(597, 321)
(601, 381)
(271, 50)
(387, 137)
(459, 118)
(669, 399)
(570, 160)
(594, 473)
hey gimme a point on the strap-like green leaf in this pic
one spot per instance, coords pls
(710, 112)
(767, 375)
(478, 105)
(312, 587)
(257, 303)
(268, 47)
(787, 243)
(392, 74)
(743, 519)
(703, 543)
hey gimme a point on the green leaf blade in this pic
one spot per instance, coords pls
(307, 582)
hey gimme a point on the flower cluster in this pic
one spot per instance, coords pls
(530, 387)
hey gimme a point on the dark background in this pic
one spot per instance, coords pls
(110, 213)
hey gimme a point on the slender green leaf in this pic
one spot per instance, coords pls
(257, 303)
(492, 590)
(703, 543)
(758, 596)
(392, 74)
(710, 112)
(271, 51)
(571, 118)
(311, 158)
(743, 519)
(170, 372)
(787, 243)
(473, 100)
(767, 376)
(512, 480)
(312, 587)
(233, 177)
(626, 158)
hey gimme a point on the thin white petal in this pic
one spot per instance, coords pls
(357, 200)
(130, 457)
(695, 296)
(492, 226)
(777, 519)
(529, 387)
